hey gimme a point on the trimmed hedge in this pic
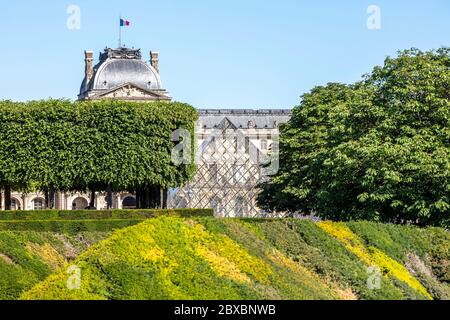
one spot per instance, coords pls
(101, 214)
(75, 146)
(208, 258)
(175, 258)
(28, 257)
(75, 221)
(68, 226)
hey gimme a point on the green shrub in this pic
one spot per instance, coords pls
(67, 226)
(379, 235)
(175, 258)
(305, 242)
(100, 214)
(302, 284)
(29, 257)
(201, 257)
(431, 244)
(152, 213)
(53, 144)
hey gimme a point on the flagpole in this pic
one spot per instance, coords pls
(120, 32)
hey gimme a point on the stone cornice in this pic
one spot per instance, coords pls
(261, 112)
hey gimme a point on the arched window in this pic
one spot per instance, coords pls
(129, 203)
(15, 204)
(80, 204)
(38, 204)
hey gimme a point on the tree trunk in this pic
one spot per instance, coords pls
(50, 199)
(150, 198)
(7, 197)
(46, 198)
(109, 197)
(145, 199)
(92, 200)
(155, 197)
(138, 199)
(164, 198)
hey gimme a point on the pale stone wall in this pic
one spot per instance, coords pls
(231, 147)
(64, 201)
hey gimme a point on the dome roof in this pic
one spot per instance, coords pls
(119, 67)
(116, 72)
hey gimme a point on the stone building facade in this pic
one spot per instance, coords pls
(68, 201)
(233, 157)
(121, 74)
(235, 147)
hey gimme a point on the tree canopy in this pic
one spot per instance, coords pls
(377, 150)
(78, 146)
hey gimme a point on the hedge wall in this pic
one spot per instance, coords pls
(72, 222)
(101, 214)
(68, 226)
(58, 145)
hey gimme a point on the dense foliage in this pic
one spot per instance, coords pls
(73, 222)
(29, 257)
(376, 150)
(57, 145)
(35, 244)
(208, 258)
(101, 214)
(69, 227)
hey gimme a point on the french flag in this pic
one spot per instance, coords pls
(124, 23)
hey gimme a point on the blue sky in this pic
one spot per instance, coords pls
(214, 54)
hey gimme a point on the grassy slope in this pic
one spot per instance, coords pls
(207, 258)
(29, 257)
(35, 244)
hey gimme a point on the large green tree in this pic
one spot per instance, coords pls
(57, 145)
(376, 150)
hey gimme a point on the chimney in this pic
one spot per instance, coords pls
(154, 60)
(89, 65)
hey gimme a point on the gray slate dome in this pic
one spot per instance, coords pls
(115, 72)
(119, 67)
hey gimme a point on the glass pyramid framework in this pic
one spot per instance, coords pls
(228, 172)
